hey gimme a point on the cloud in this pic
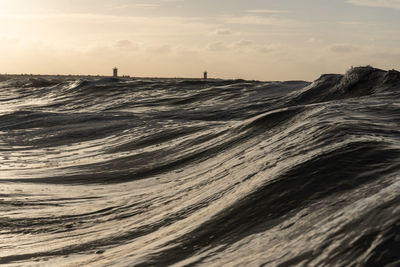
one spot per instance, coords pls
(349, 23)
(393, 4)
(257, 20)
(343, 48)
(126, 45)
(266, 11)
(269, 48)
(160, 49)
(108, 27)
(147, 5)
(223, 32)
(243, 43)
(218, 46)
(9, 40)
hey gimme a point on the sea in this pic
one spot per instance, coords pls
(193, 172)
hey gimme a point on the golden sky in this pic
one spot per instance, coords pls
(252, 39)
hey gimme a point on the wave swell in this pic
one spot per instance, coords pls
(160, 172)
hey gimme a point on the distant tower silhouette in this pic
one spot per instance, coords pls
(205, 75)
(115, 72)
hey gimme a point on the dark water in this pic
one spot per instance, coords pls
(212, 173)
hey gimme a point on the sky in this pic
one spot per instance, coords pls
(249, 39)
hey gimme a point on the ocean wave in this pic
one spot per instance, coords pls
(157, 172)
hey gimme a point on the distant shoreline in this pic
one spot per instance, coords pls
(104, 76)
(55, 76)
(61, 75)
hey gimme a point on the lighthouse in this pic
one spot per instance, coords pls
(205, 75)
(115, 72)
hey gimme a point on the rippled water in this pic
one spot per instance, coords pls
(156, 172)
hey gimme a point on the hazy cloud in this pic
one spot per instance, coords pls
(126, 45)
(223, 32)
(243, 43)
(350, 23)
(257, 20)
(147, 5)
(9, 40)
(160, 49)
(218, 46)
(343, 48)
(269, 48)
(266, 11)
(394, 4)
